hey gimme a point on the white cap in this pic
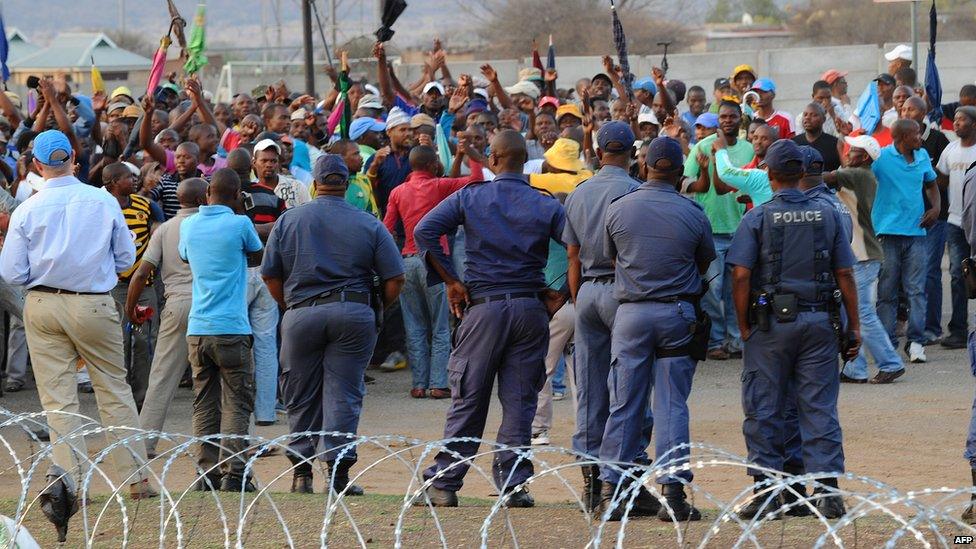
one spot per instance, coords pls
(481, 92)
(266, 144)
(525, 88)
(369, 101)
(397, 117)
(433, 86)
(866, 142)
(647, 117)
(901, 51)
(299, 114)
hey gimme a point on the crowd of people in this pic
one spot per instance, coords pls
(605, 237)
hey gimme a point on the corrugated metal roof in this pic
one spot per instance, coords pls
(19, 45)
(75, 50)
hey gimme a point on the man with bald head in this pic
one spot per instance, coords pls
(502, 304)
(170, 358)
(904, 170)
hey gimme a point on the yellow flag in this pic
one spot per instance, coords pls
(96, 79)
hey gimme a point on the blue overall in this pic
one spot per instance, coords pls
(656, 275)
(507, 226)
(792, 245)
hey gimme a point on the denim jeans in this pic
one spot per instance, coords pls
(262, 311)
(718, 301)
(958, 250)
(873, 334)
(904, 266)
(425, 321)
(935, 242)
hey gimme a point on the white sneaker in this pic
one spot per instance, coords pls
(916, 353)
(540, 439)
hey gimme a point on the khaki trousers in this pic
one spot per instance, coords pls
(60, 328)
(168, 364)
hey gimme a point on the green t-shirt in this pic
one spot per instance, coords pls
(722, 211)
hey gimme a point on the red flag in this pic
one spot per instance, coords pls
(536, 60)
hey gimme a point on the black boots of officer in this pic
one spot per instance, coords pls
(591, 487)
(831, 504)
(301, 481)
(643, 505)
(677, 502)
(969, 515)
(339, 476)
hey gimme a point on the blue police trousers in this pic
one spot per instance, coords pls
(971, 437)
(802, 353)
(324, 353)
(595, 311)
(508, 339)
(640, 331)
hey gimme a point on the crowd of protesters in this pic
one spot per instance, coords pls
(190, 192)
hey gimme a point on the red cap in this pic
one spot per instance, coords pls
(832, 75)
(549, 100)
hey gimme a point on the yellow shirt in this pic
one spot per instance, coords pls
(556, 183)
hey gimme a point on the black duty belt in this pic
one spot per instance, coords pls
(333, 297)
(675, 298)
(503, 297)
(50, 290)
(605, 278)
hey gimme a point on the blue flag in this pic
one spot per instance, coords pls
(4, 51)
(933, 85)
(620, 41)
(868, 108)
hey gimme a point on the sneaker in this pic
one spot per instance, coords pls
(844, 378)
(718, 353)
(916, 353)
(887, 377)
(954, 342)
(558, 396)
(396, 361)
(540, 439)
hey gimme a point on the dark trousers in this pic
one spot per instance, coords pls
(324, 353)
(509, 339)
(223, 385)
(137, 340)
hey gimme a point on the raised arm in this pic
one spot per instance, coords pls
(196, 95)
(495, 87)
(383, 75)
(60, 116)
(146, 142)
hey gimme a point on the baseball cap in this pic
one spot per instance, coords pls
(812, 160)
(422, 119)
(364, 124)
(117, 105)
(832, 75)
(886, 78)
(646, 84)
(707, 120)
(167, 85)
(530, 73)
(131, 111)
(476, 105)
(664, 154)
(722, 83)
(867, 143)
(601, 76)
(568, 109)
(564, 155)
(785, 156)
(122, 91)
(369, 101)
(329, 164)
(481, 92)
(764, 84)
(647, 118)
(52, 148)
(524, 87)
(901, 51)
(549, 100)
(743, 68)
(298, 114)
(615, 137)
(266, 144)
(433, 86)
(397, 117)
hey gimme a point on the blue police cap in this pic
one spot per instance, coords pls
(813, 161)
(329, 164)
(52, 148)
(664, 154)
(784, 156)
(615, 137)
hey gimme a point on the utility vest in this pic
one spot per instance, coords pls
(796, 245)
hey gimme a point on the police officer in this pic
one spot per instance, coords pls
(319, 265)
(658, 283)
(789, 255)
(505, 326)
(969, 227)
(590, 278)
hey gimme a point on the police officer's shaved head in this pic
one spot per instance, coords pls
(192, 192)
(508, 152)
(423, 158)
(225, 188)
(239, 160)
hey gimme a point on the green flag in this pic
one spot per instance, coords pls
(344, 85)
(196, 59)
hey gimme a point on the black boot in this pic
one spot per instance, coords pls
(831, 505)
(674, 495)
(762, 504)
(796, 507)
(339, 477)
(608, 491)
(591, 487)
(301, 482)
(969, 515)
(645, 504)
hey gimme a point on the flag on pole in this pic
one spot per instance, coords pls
(344, 85)
(98, 85)
(933, 84)
(4, 50)
(196, 58)
(158, 64)
(551, 56)
(620, 41)
(536, 59)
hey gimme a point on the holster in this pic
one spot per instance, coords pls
(969, 275)
(376, 302)
(759, 311)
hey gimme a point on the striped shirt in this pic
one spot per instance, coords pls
(138, 217)
(164, 192)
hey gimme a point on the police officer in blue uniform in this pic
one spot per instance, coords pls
(503, 303)
(789, 255)
(658, 284)
(590, 278)
(319, 265)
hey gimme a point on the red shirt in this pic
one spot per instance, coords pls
(418, 194)
(783, 122)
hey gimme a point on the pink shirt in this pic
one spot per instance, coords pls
(206, 170)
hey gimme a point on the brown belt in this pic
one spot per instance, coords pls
(50, 290)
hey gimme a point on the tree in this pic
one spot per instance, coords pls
(832, 22)
(133, 41)
(721, 12)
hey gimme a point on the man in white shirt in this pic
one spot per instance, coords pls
(67, 245)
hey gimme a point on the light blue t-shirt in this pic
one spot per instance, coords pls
(754, 182)
(215, 243)
(898, 206)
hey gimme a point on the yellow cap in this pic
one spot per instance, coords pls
(121, 90)
(744, 68)
(564, 155)
(568, 108)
